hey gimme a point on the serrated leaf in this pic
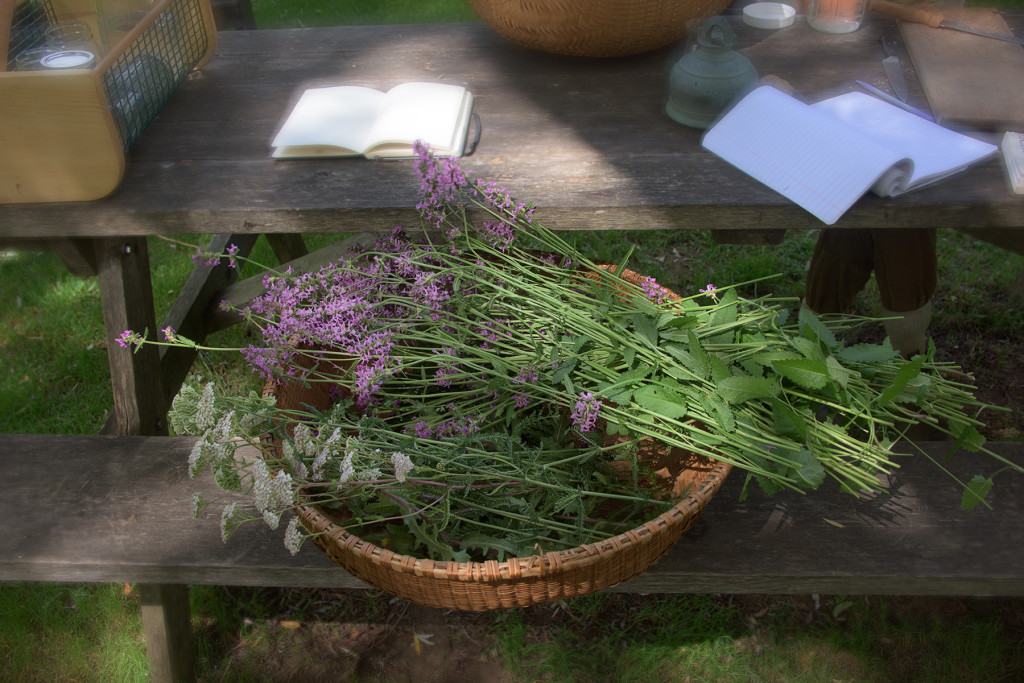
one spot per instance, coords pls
(967, 437)
(975, 492)
(788, 422)
(684, 357)
(737, 389)
(563, 370)
(808, 348)
(867, 353)
(699, 354)
(719, 370)
(645, 329)
(809, 470)
(837, 372)
(812, 328)
(810, 374)
(769, 357)
(907, 372)
(726, 418)
(661, 401)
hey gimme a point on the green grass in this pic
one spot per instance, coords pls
(56, 381)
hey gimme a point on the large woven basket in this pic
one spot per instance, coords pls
(594, 28)
(519, 581)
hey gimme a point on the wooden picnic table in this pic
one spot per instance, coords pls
(586, 140)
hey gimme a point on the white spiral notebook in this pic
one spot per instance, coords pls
(827, 155)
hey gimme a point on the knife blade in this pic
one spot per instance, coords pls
(894, 71)
(918, 15)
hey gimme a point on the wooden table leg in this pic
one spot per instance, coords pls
(126, 292)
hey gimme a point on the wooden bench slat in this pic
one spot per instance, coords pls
(94, 508)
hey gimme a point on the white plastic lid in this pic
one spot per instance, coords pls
(68, 59)
(768, 15)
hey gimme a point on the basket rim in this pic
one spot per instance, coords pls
(543, 564)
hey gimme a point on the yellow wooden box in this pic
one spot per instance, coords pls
(64, 133)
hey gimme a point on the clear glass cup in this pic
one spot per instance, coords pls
(836, 16)
(71, 35)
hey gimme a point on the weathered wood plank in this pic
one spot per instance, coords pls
(118, 509)
(586, 140)
(126, 294)
(167, 622)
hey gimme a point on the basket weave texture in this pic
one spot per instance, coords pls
(594, 28)
(518, 581)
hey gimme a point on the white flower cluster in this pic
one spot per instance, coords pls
(206, 415)
(204, 453)
(293, 537)
(402, 463)
(324, 454)
(271, 494)
(225, 518)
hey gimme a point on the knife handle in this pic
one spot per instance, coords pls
(914, 15)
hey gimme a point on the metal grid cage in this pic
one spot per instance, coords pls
(28, 28)
(141, 80)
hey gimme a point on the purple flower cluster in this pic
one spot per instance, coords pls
(441, 181)
(584, 414)
(652, 290)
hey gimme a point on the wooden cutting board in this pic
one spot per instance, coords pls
(969, 80)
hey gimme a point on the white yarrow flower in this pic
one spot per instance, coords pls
(197, 504)
(293, 537)
(206, 416)
(272, 519)
(281, 489)
(347, 469)
(222, 431)
(262, 491)
(229, 512)
(402, 463)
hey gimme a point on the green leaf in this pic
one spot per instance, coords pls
(810, 349)
(809, 470)
(788, 422)
(661, 401)
(812, 327)
(837, 372)
(737, 389)
(867, 353)
(645, 329)
(563, 370)
(967, 437)
(726, 418)
(975, 492)
(769, 357)
(719, 370)
(684, 357)
(907, 372)
(810, 374)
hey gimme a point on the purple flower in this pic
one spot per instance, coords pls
(232, 252)
(584, 415)
(710, 291)
(205, 258)
(652, 290)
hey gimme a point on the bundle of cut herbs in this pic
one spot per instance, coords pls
(487, 381)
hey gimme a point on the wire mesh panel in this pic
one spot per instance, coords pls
(28, 28)
(142, 79)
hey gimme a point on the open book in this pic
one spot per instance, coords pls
(825, 156)
(351, 120)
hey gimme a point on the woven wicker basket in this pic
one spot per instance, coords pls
(594, 28)
(519, 581)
